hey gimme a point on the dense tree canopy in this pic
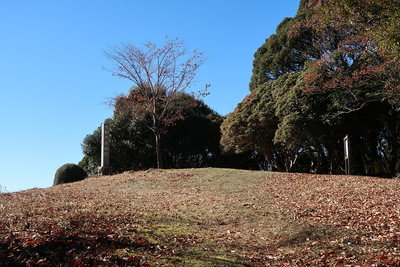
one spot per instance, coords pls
(319, 78)
(190, 142)
(377, 19)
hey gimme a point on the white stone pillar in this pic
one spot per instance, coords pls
(105, 168)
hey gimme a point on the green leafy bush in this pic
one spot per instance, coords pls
(69, 173)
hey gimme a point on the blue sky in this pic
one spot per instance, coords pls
(53, 86)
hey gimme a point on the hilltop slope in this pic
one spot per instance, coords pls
(204, 217)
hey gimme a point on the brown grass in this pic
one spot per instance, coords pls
(204, 217)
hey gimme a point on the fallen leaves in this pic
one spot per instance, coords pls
(364, 209)
(180, 216)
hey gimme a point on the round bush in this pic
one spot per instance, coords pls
(69, 173)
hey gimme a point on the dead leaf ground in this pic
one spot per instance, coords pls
(204, 217)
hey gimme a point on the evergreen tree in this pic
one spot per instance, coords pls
(192, 142)
(313, 83)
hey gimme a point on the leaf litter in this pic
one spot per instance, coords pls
(204, 217)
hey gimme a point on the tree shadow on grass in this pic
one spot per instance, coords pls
(73, 250)
(82, 239)
(103, 250)
(312, 233)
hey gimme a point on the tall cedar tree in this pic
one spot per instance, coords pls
(361, 77)
(317, 79)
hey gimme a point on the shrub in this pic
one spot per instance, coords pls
(69, 173)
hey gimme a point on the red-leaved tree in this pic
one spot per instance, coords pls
(161, 74)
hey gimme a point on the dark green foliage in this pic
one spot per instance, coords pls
(69, 173)
(379, 19)
(131, 147)
(191, 142)
(277, 56)
(251, 127)
(313, 84)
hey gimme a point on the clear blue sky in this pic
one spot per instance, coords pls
(52, 84)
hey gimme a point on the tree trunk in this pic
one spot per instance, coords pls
(159, 154)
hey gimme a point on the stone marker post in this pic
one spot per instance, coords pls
(347, 159)
(105, 168)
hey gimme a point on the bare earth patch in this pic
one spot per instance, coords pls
(204, 217)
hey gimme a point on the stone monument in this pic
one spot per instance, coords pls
(105, 168)
(347, 158)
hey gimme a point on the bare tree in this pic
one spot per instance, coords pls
(160, 74)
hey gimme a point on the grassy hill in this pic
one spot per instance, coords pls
(204, 217)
